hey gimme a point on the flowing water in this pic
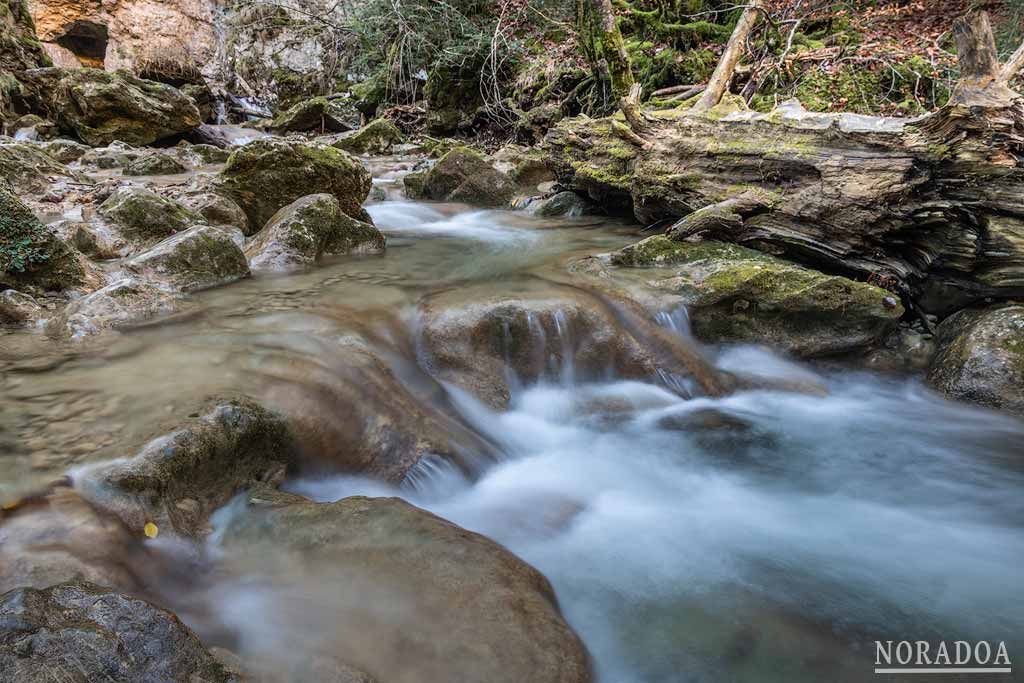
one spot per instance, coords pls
(764, 536)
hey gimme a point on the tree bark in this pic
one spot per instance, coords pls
(612, 48)
(719, 82)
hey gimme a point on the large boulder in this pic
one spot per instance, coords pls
(463, 175)
(201, 257)
(122, 303)
(981, 358)
(32, 256)
(177, 480)
(100, 106)
(79, 631)
(318, 114)
(215, 208)
(19, 47)
(470, 609)
(735, 294)
(64, 151)
(142, 217)
(267, 175)
(377, 137)
(486, 343)
(308, 229)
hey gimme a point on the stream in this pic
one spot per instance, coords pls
(764, 536)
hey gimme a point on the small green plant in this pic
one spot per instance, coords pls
(23, 239)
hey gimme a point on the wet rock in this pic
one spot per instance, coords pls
(208, 135)
(79, 631)
(463, 175)
(459, 583)
(177, 480)
(33, 127)
(216, 209)
(318, 114)
(267, 175)
(203, 154)
(29, 169)
(736, 294)
(981, 358)
(565, 203)
(202, 97)
(154, 164)
(58, 537)
(376, 137)
(64, 151)
(308, 229)
(143, 217)
(114, 156)
(122, 303)
(97, 239)
(201, 257)
(486, 345)
(413, 184)
(16, 307)
(100, 106)
(32, 256)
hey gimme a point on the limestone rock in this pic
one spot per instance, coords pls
(201, 257)
(30, 169)
(143, 217)
(124, 302)
(735, 294)
(267, 175)
(308, 229)
(462, 175)
(318, 114)
(155, 163)
(64, 151)
(376, 137)
(16, 307)
(100, 107)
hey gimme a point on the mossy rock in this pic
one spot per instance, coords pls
(736, 295)
(318, 114)
(981, 358)
(157, 163)
(463, 175)
(32, 257)
(201, 257)
(64, 151)
(122, 303)
(308, 229)
(413, 183)
(453, 96)
(19, 47)
(376, 137)
(143, 216)
(29, 168)
(267, 175)
(100, 107)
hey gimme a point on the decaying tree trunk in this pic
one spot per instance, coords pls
(931, 208)
(720, 79)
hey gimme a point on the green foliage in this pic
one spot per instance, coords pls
(23, 239)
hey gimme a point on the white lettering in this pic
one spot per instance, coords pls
(1001, 656)
(883, 651)
(904, 656)
(941, 655)
(922, 653)
(977, 652)
(963, 652)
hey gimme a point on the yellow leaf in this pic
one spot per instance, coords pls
(150, 530)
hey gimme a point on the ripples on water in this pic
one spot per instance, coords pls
(760, 537)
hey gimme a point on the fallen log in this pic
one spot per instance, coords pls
(933, 208)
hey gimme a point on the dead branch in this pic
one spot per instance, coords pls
(719, 81)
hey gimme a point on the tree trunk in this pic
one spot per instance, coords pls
(933, 209)
(719, 82)
(611, 48)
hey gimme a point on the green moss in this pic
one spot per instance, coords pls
(662, 251)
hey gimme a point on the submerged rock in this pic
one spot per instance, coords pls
(307, 230)
(201, 257)
(376, 137)
(156, 163)
(143, 217)
(317, 114)
(79, 631)
(58, 537)
(471, 610)
(736, 294)
(177, 480)
(981, 358)
(100, 106)
(267, 175)
(566, 203)
(462, 175)
(486, 344)
(124, 302)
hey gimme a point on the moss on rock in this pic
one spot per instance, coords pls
(32, 257)
(376, 137)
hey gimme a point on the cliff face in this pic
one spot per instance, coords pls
(166, 40)
(19, 50)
